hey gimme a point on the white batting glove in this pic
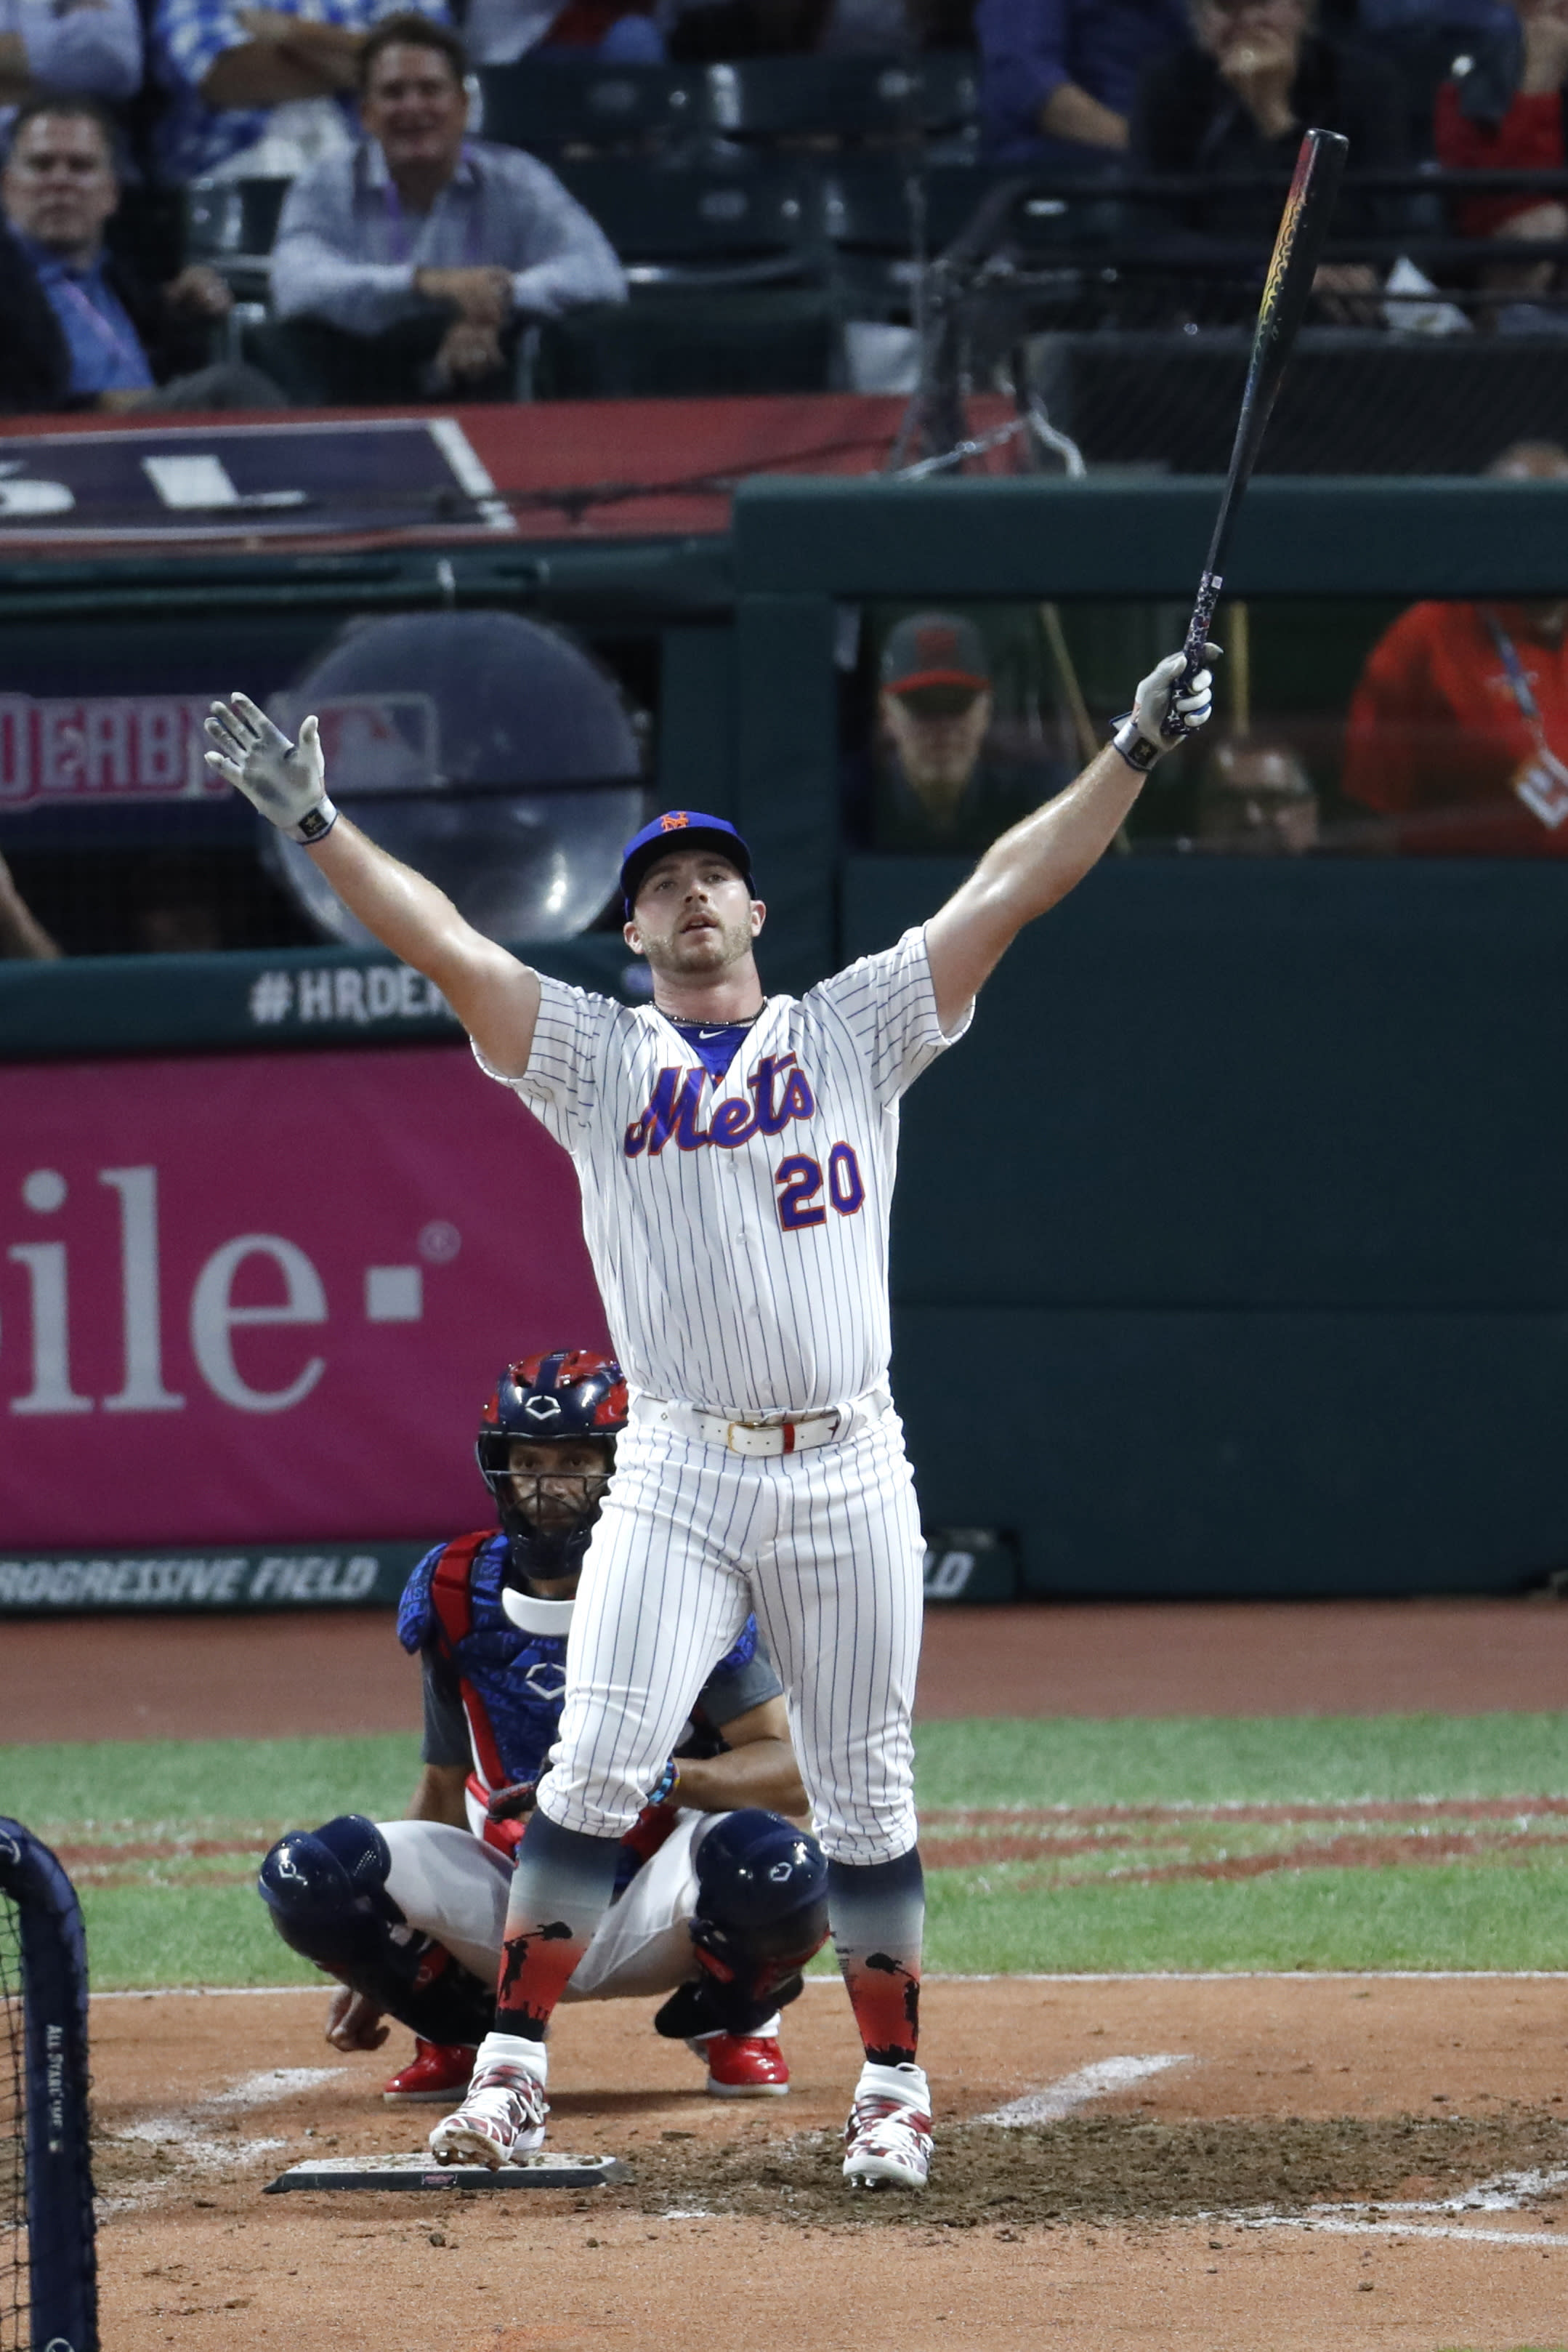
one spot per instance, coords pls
(1161, 717)
(287, 782)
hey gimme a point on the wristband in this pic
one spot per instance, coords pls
(316, 824)
(1134, 746)
(664, 1787)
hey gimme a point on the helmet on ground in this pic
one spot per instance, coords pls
(566, 1398)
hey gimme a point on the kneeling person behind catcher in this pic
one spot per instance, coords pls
(720, 1900)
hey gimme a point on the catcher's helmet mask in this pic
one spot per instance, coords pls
(567, 1397)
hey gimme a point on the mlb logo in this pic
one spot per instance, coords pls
(372, 742)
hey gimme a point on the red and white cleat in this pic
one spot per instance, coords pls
(437, 2071)
(502, 2117)
(745, 2067)
(887, 2139)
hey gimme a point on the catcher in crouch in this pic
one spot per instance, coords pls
(720, 1900)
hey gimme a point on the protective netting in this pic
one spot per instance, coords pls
(1423, 353)
(1354, 402)
(15, 2326)
(48, 2292)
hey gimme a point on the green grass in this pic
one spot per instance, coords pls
(1432, 1917)
(176, 1917)
(290, 1781)
(185, 1935)
(1216, 1760)
(165, 1929)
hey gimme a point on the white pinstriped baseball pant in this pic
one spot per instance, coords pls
(826, 1547)
(448, 1884)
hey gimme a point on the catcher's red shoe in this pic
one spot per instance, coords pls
(435, 2072)
(745, 2067)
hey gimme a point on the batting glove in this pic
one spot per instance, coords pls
(287, 782)
(1164, 712)
(512, 1802)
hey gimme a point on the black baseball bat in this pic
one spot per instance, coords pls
(1304, 225)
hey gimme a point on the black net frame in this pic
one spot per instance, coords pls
(48, 2291)
(16, 2298)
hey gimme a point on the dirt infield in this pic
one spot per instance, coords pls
(1295, 2164)
(1171, 2210)
(279, 1676)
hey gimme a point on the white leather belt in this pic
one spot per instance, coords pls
(761, 1435)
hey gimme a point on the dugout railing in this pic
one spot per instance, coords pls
(48, 2291)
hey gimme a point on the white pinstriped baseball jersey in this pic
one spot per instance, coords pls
(739, 1230)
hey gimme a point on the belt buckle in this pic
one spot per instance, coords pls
(758, 1439)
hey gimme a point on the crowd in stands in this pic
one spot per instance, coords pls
(407, 240)
(409, 250)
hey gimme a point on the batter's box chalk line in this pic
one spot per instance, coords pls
(1075, 2091)
(185, 2132)
(1506, 2192)
(1441, 2216)
(834, 1982)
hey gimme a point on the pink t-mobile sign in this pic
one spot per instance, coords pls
(265, 1296)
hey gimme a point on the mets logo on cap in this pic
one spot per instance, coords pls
(673, 821)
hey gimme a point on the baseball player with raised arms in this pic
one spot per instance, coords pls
(735, 1153)
(720, 1902)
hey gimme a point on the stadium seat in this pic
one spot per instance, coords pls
(950, 92)
(231, 225)
(878, 213)
(557, 104)
(704, 229)
(689, 346)
(817, 98)
(321, 366)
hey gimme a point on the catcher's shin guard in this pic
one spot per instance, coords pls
(761, 1913)
(326, 1890)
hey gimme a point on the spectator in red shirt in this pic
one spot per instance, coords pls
(1459, 726)
(1504, 113)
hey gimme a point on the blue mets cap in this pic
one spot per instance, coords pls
(680, 829)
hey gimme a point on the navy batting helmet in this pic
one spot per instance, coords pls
(563, 1398)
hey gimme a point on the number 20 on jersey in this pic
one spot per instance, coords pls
(799, 1183)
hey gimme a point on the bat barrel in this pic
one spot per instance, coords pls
(1287, 290)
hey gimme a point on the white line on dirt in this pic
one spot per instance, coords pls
(1075, 2091)
(1505, 2192)
(1240, 1976)
(273, 2082)
(1555, 2239)
(1010, 1976)
(206, 1992)
(182, 2131)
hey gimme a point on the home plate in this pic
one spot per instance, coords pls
(551, 2170)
